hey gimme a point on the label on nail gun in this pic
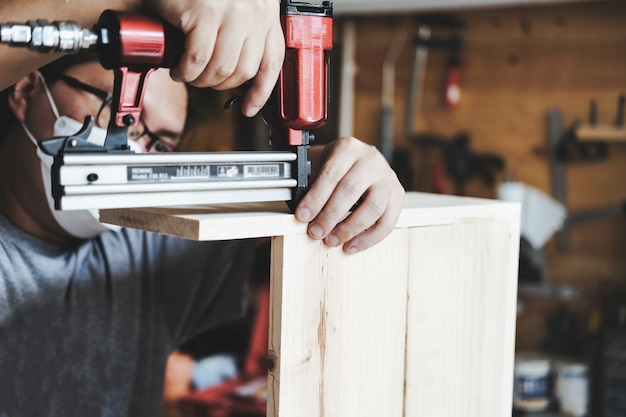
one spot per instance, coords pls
(217, 172)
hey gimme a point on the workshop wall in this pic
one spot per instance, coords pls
(517, 64)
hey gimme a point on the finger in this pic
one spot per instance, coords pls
(199, 46)
(225, 59)
(348, 191)
(368, 238)
(368, 212)
(247, 67)
(375, 234)
(323, 180)
(268, 71)
(323, 183)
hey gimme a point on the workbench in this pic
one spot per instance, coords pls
(422, 324)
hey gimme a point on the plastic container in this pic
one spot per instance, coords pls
(572, 388)
(531, 387)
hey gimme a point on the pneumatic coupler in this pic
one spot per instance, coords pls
(43, 36)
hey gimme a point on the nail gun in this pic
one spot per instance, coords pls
(88, 176)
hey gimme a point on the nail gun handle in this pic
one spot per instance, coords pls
(133, 45)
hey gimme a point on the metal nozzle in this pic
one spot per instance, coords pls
(42, 36)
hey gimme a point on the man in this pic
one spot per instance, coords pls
(88, 317)
(227, 43)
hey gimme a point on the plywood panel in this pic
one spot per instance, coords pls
(337, 331)
(461, 317)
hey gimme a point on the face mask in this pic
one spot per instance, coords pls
(82, 224)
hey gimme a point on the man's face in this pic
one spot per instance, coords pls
(25, 201)
(162, 119)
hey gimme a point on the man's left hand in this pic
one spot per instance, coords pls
(351, 171)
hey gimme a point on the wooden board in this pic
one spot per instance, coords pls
(338, 329)
(461, 303)
(249, 220)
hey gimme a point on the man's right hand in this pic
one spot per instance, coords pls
(228, 42)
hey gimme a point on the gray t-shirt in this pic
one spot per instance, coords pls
(85, 329)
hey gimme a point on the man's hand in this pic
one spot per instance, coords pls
(350, 171)
(228, 42)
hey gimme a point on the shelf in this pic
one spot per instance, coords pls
(606, 133)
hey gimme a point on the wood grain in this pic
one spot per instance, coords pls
(460, 340)
(338, 329)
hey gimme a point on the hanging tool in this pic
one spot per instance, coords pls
(429, 35)
(388, 94)
(453, 78)
(88, 176)
(424, 40)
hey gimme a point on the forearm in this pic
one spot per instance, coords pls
(15, 62)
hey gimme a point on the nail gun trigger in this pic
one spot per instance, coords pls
(231, 101)
(239, 93)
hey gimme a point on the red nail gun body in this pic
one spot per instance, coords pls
(303, 84)
(300, 100)
(135, 45)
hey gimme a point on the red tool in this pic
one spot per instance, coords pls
(303, 84)
(300, 100)
(133, 46)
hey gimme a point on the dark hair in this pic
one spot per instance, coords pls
(7, 118)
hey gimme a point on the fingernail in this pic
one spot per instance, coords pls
(176, 76)
(316, 231)
(304, 214)
(332, 240)
(251, 111)
(352, 250)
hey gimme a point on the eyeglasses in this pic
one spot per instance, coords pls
(104, 113)
(155, 143)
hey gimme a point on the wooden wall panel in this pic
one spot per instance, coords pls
(517, 64)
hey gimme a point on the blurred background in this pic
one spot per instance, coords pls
(517, 100)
